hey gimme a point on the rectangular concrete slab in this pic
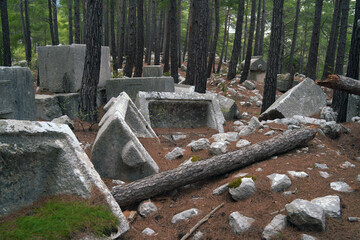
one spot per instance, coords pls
(152, 71)
(132, 86)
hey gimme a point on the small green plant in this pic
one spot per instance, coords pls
(58, 219)
(195, 158)
(236, 183)
(167, 74)
(223, 87)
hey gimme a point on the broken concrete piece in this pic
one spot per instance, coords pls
(304, 99)
(44, 159)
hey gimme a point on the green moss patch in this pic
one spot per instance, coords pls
(57, 219)
(195, 158)
(237, 182)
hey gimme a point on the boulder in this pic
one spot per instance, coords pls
(240, 223)
(220, 190)
(272, 230)
(200, 144)
(279, 182)
(305, 99)
(251, 127)
(217, 148)
(331, 129)
(330, 204)
(244, 191)
(228, 136)
(228, 107)
(187, 214)
(353, 107)
(328, 114)
(282, 82)
(242, 143)
(146, 208)
(307, 237)
(249, 85)
(341, 187)
(175, 154)
(301, 174)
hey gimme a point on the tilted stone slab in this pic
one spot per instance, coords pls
(304, 99)
(117, 152)
(17, 95)
(132, 86)
(61, 67)
(42, 159)
(152, 71)
(180, 110)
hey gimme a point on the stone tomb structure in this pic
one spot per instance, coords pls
(117, 152)
(152, 71)
(132, 86)
(17, 95)
(180, 110)
(257, 68)
(61, 67)
(43, 159)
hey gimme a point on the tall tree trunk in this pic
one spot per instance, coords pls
(245, 28)
(140, 39)
(314, 44)
(187, 33)
(174, 40)
(258, 30)
(303, 50)
(70, 22)
(25, 23)
(5, 32)
(214, 42)
(224, 40)
(148, 35)
(84, 20)
(282, 48)
(236, 51)
(77, 21)
(246, 68)
(178, 27)
(112, 34)
(339, 100)
(227, 40)
(263, 19)
(55, 23)
(50, 20)
(130, 60)
(118, 33)
(122, 32)
(90, 79)
(167, 42)
(273, 60)
(158, 34)
(291, 68)
(106, 22)
(331, 48)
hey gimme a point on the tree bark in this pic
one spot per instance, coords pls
(273, 60)
(178, 33)
(224, 40)
(140, 39)
(6, 33)
(263, 19)
(168, 180)
(174, 40)
(83, 2)
(246, 68)
(55, 23)
(148, 35)
(122, 33)
(90, 79)
(314, 44)
(50, 20)
(70, 22)
(25, 23)
(187, 33)
(166, 51)
(245, 28)
(77, 21)
(258, 31)
(130, 60)
(303, 50)
(112, 36)
(158, 34)
(342, 83)
(236, 51)
(106, 23)
(214, 42)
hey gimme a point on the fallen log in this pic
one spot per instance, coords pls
(165, 181)
(342, 83)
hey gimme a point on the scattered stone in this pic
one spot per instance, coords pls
(305, 215)
(353, 219)
(358, 178)
(272, 230)
(244, 191)
(298, 174)
(220, 190)
(64, 120)
(146, 208)
(330, 204)
(242, 143)
(321, 166)
(348, 164)
(252, 126)
(118, 182)
(240, 223)
(187, 214)
(228, 136)
(307, 237)
(198, 236)
(279, 182)
(183, 68)
(324, 174)
(293, 127)
(217, 148)
(309, 120)
(200, 144)
(331, 129)
(178, 137)
(148, 232)
(328, 114)
(357, 159)
(249, 85)
(341, 187)
(238, 123)
(269, 133)
(175, 154)
(258, 169)
(258, 103)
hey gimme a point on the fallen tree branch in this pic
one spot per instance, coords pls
(342, 83)
(185, 174)
(199, 223)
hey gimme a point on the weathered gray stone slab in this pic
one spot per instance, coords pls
(272, 230)
(330, 204)
(227, 105)
(152, 71)
(132, 86)
(304, 99)
(47, 107)
(240, 223)
(61, 67)
(282, 82)
(180, 110)
(257, 63)
(117, 153)
(353, 107)
(179, 88)
(42, 159)
(17, 95)
(187, 214)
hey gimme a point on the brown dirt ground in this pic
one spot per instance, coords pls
(264, 201)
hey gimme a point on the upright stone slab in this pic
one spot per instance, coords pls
(257, 68)
(17, 95)
(304, 99)
(43, 159)
(353, 107)
(61, 67)
(117, 153)
(132, 86)
(152, 71)
(47, 107)
(180, 110)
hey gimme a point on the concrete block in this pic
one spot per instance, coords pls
(61, 67)
(132, 86)
(17, 93)
(180, 110)
(152, 71)
(44, 159)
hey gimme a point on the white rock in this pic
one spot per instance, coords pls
(348, 164)
(187, 214)
(64, 120)
(272, 230)
(175, 154)
(341, 187)
(330, 204)
(240, 223)
(228, 136)
(249, 85)
(198, 236)
(269, 133)
(217, 148)
(200, 144)
(244, 191)
(252, 126)
(146, 208)
(307, 237)
(324, 174)
(321, 166)
(279, 182)
(298, 174)
(242, 143)
(148, 231)
(220, 190)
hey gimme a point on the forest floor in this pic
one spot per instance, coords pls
(262, 205)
